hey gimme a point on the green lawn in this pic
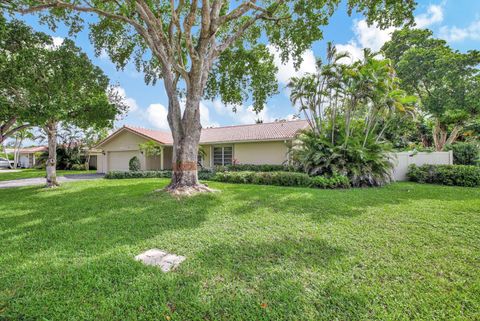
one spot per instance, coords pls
(405, 251)
(32, 173)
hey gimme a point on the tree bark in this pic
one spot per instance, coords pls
(51, 166)
(441, 137)
(186, 137)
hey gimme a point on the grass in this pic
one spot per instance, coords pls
(406, 251)
(33, 173)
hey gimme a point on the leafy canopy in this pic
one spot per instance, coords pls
(174, 40)
(446, 80)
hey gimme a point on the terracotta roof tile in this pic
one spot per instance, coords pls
(280, 130)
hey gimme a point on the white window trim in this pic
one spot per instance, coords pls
(223, 154)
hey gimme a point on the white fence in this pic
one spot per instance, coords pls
(404, 159)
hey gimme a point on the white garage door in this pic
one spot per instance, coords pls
(118, 161)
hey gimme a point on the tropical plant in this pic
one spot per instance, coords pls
(349, 109)
(151, 148)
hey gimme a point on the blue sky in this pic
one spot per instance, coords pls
(457, 21)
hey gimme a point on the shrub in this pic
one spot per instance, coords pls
(254, 168)
(364, 162)
(454, 175)
(77, 167)
(336, 181)
(264, 178)
(465, 153)
(206, 174)
(134, 164)
(138, 174)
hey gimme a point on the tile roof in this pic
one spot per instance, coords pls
(281, 130)
(35, 149)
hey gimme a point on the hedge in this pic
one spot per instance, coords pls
(203, 174)
(254, 168)
(138, 174)
(281, 179)
(453, 175)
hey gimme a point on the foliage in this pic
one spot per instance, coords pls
(447, 81)
(454, 175)
(78, 167)
(254, 168)
(138, 174)
(335, 181)
(264, 178)
(19, 45)
(368, 165)
(151, 148)
(349, 109)
(206, 174)
(465, 153)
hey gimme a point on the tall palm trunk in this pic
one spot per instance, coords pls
(51, 166)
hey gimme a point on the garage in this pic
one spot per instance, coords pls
(118, 161)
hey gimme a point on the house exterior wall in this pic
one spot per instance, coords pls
(115, 151)
(257, 153)
(272, 153)
(167, 157)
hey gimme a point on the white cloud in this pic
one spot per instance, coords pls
(242, 115)
(286, 71)
(373, 37)
(356, 53)
(433, 15)
(454, 34)
(157, 116)
(130, 102)
(57, 42)
(205, 117)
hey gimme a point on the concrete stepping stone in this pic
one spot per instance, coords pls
(165, 261)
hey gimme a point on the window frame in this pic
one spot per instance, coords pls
(223, 163)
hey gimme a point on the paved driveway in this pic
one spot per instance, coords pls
(41, 180)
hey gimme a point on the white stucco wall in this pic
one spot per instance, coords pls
(405, 159)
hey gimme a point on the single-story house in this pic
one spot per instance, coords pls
(264, 143)
(27, 157)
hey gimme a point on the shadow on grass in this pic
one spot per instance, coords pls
(250, 281)
(326, 205)
(93, 218)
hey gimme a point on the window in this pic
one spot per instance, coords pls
(222, 155)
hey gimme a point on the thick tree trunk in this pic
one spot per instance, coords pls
(185, 148)
(51, 165)
(186, 130)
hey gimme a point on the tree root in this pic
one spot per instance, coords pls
(178, 191)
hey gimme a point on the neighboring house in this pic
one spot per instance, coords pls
(265, 143)
(27, 157)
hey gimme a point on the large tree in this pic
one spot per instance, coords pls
(447, 81)
(206, 48)
(18, 47)
(69, 90)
